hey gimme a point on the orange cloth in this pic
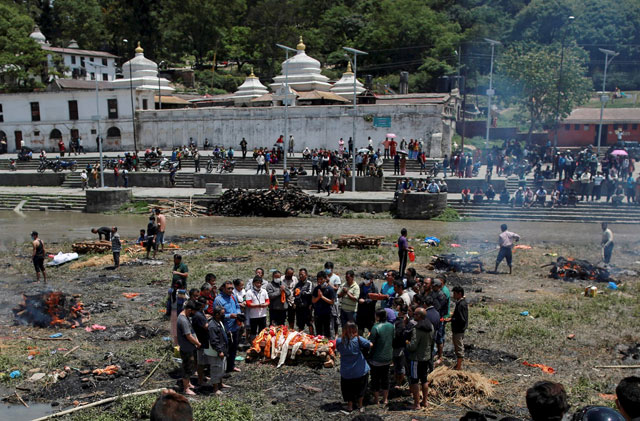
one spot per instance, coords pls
(544, 368)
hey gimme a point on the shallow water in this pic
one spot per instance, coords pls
(71, 226)
(21, 413)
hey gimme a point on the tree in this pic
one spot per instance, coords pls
(528, 76)
(78, 20)
(21, 58)
(198, 26)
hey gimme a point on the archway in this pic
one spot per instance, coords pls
(113, 132)
(55, 135)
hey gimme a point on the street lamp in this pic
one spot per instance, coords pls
(604, 98)
(162, 63)
(97, 119)
(490, 91)
(133, 110)
(555, 136)
(355, 112)
(286, 101)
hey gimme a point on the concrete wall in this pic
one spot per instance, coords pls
(311, 126)
(309, 182)
(420, 205)
(31, 179)
(100, 200)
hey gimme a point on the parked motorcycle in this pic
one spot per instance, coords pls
(150, 163)
(46, 164)
(65, 165)
(166, 165)
(226, 166)
(211, 165)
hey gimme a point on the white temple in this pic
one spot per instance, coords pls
(250, 89)
(344, 87)
(142, 73)
(303, 73)
(38, 36)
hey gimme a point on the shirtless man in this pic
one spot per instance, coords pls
(162, 225)
(38, 256)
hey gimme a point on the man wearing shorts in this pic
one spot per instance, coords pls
(161, 220)
(505, 241)
(188, 343)
(38, 256)
(420, 358)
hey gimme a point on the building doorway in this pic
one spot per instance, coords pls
(18, 136)
(603, 136)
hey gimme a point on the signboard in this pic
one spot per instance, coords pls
(381, 121)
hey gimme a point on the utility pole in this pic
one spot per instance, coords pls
(490, 91)
(355, 113)
(604, 98)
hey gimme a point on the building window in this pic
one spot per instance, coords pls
(36, 133)
(104, 61)
(93, 76)
(105, 77)
(93, 131)
(73, 110)
(35, 111)
(567, 126)
(633, 126)
(73, 59)
(1, 114)
(91, 59)
(576, 127)
(624, 127)
(82, 61)
(586, 127)
(112, 106)
(145, 104)
(615, 127)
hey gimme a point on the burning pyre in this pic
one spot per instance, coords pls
(570, 269)
(49, 309)
(454, 263)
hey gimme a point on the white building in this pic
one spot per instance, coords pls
(67, 110)
(344, 87)
(79, 64)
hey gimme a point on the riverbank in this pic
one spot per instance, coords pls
(500, 339)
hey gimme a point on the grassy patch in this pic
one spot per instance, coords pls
(451, 215)
(136, 207)
(367, 215)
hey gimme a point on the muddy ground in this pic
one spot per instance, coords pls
(603, 329)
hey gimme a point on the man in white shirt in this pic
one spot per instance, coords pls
(597, 186)
(336, 283)
(607, 243)
(505, 241)
(257, 302)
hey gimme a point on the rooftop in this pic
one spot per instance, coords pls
(611, 115)
(78, 52)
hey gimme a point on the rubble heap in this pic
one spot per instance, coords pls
(272, 203)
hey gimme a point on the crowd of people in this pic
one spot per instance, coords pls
(397, 328)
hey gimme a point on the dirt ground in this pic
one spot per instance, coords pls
(603, 329)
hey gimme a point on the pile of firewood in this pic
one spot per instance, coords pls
(178, 209)
(358, 241)
(85, 247)
(571, 269)
(274, 203)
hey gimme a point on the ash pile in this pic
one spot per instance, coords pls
(50, 309)
(571, 269)
(271, 203)
(453, 263)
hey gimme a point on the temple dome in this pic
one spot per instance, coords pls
(251, 88)
(142, 73)
(303, 73)
(344, 87)
(38, 36)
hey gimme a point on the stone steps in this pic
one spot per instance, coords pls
(591, 212)
(43, 202)
(72, 180)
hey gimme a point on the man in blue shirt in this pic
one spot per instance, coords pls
(232, 320)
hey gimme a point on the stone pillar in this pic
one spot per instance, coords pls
(420, 205)
(107, 199)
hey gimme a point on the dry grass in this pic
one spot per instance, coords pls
(458, 387)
